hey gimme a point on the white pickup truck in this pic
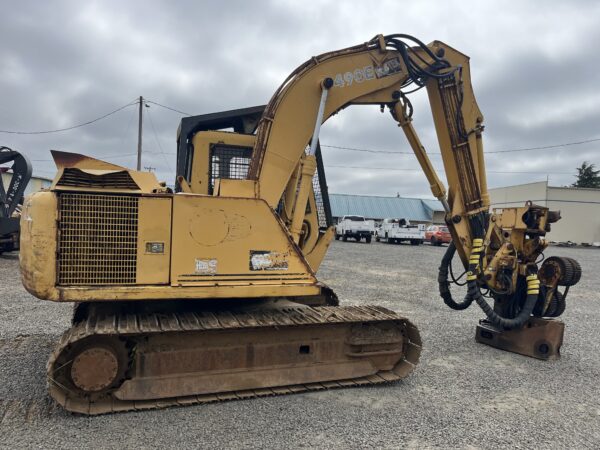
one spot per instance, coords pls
(395, 231)
(356, 227)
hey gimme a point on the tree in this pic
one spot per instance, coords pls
(587, 177)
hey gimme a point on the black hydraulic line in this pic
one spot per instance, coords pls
(456, 280)
(403, 47)
(419, 74)
(474, 293)
(477, 223)
(444, 284)
(494, 317)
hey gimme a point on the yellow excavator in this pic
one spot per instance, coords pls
(209, 293)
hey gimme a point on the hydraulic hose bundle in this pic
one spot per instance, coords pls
(419, 69)
(474, 292)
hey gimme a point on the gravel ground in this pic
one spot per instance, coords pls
(462, 394)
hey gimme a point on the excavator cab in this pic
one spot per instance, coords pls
(218, 146)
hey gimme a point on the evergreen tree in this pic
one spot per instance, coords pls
(587, 177)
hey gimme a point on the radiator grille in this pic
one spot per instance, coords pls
(97, 239)
(112, 180)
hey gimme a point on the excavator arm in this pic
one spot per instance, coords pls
(499, 250)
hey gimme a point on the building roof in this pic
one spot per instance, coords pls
(433, 205)
(374, 207)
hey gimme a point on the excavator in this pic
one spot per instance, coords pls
(210, 292)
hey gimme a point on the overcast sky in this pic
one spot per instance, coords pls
(534, 68)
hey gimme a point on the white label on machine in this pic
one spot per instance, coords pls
(206, 266)
(265, 260)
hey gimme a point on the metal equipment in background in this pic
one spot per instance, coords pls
(210, 293)
(11, 197)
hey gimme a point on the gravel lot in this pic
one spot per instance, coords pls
(462, 394)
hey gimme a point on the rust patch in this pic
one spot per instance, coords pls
(539, 338)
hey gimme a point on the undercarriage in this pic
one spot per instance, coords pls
(127, 360)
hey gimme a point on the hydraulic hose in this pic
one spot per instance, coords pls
(498, 320)
(419, 71)
(444, 284)
(533, 289)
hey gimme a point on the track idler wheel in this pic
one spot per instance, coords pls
(93, 367)
(560, 270)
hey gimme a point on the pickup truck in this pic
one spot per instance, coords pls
(355, 227)
(395, 231)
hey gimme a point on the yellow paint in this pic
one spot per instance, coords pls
(37, 256)
(154, 230)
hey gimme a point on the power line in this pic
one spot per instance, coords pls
(89, 122)
(169, 108)
(158, 141)
(527, 149)
(566, 144)
(368, 150)
(440, 170)
(128, 126)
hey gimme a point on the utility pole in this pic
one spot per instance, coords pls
(139, 153)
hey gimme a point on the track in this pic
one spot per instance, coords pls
(372, 337)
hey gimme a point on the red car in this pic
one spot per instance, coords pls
(438, 235)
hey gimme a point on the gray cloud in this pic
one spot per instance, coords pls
(533, 65)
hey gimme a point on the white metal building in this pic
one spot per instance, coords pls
(579, 207)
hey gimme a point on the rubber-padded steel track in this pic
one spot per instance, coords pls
(125, 326)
